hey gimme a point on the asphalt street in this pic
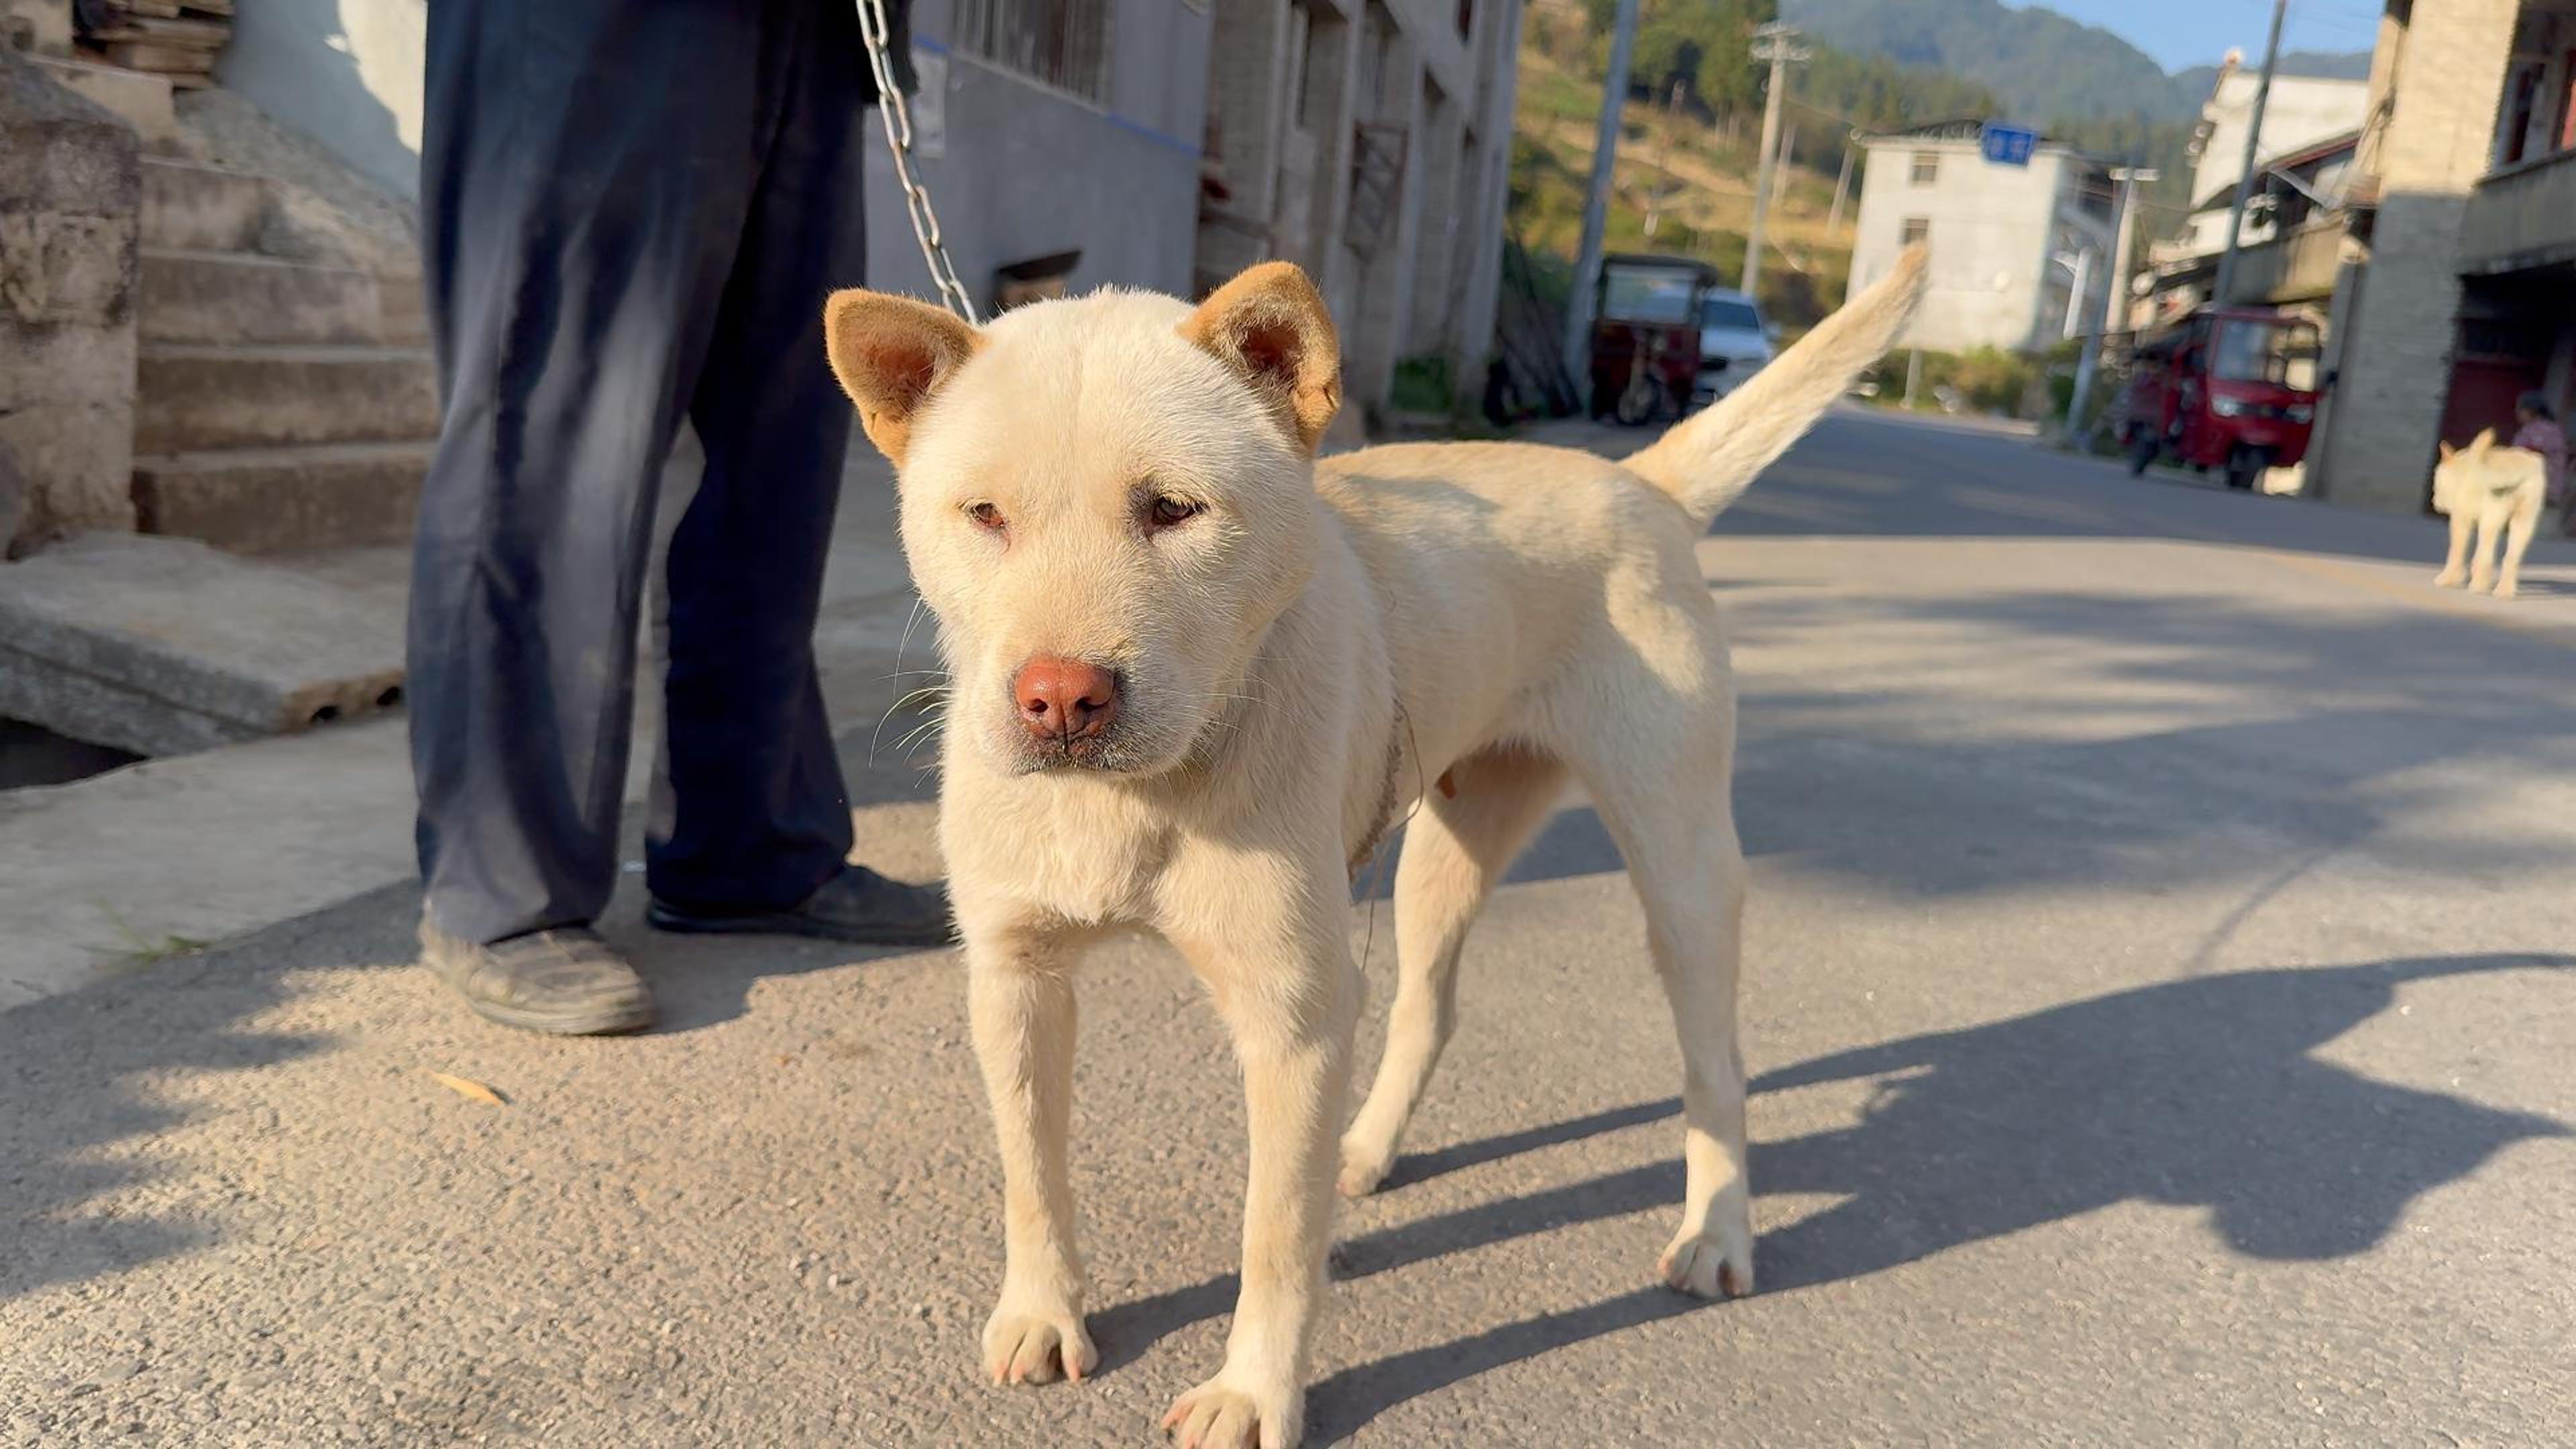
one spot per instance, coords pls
(2161, 992)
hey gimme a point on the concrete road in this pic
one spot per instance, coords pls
(2162, 987)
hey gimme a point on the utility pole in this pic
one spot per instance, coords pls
(1663, 161)
(2115, 297)
(1777, 44)
(2253, 154)
(2079, 272)
(1842, 183)
(1596, 200)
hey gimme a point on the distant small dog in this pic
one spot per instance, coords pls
(2487, 488)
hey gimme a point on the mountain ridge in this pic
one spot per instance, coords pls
(2044, 66)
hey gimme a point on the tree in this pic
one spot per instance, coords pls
(1704, 46)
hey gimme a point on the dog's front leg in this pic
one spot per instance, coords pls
(1288, 989)
(1021, 1001)
(2455, 567)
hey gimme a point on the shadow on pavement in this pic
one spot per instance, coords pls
(78, 1084)
(2188, 739)
(2201, 1093)
(80, 1073)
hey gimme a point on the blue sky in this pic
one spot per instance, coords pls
(2180, 33)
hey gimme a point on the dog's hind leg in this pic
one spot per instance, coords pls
(1455, 851)
(2482, 553)
(1657, 759)
(2526, 519)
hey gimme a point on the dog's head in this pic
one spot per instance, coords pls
(1107, 501)
(2460, 473)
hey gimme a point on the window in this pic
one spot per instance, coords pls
(1634, 293)
(1916, 229)
(1061, 43)
(1927, 167)
(2253, 352)
(2567, 102)
(2524, 95)
(1729, 313)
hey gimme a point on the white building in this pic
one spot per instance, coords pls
(2011, 244)
(2302, 112)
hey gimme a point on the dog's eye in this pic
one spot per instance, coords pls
(986, 516)
(1169, 512)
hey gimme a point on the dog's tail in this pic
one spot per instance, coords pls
(1708, 461)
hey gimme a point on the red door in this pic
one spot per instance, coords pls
(2483, 392)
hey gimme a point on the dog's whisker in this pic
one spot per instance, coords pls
(930, 699)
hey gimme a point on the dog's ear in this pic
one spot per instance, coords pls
(890, 354)
(1271, 327)
(2483, 443)
(2448, 452)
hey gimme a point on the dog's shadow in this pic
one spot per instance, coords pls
(2531, 588)
(2200, 1093)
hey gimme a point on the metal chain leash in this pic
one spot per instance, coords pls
(893, 110)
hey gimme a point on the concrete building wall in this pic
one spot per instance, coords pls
(2302, 111)
(345, 73)
(1992, 229)
(1484, 186)
(2445, 76)
(1022, 171)
(1017, 170)
(1382, 170)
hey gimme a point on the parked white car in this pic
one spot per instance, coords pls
(1734, 343)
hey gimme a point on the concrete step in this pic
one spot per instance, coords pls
(404, 308)
(212, 296)
(187, 206)
(166, 645)
(280, 500)
(143, 100)
(191, 398)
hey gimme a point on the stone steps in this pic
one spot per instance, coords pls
(283, 404)
(227, 297)
(199, 398)
(274, 500)
(193, 207)
(142, 99)
(404, 310)
(165, 645)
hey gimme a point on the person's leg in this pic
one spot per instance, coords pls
(585, 177)
(752, 816)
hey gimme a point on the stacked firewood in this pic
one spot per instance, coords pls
(178, 39)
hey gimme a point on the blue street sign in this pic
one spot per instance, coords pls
(2007, 145)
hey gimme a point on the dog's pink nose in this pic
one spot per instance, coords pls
(1065, 699)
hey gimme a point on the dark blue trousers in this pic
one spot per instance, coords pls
(632, 211)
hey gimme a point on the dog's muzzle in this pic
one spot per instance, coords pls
(1066, 707)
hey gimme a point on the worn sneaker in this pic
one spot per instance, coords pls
(858, 905)
(567, 983)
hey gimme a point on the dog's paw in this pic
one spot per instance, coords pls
(1221, 1414)
(2447, 579)
(2506, 588)
(2481, 584)
(1714, 1264)
(1023, 1346)
(1363, 1167)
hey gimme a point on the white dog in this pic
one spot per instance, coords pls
(2489, 489)
(1196, 675)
